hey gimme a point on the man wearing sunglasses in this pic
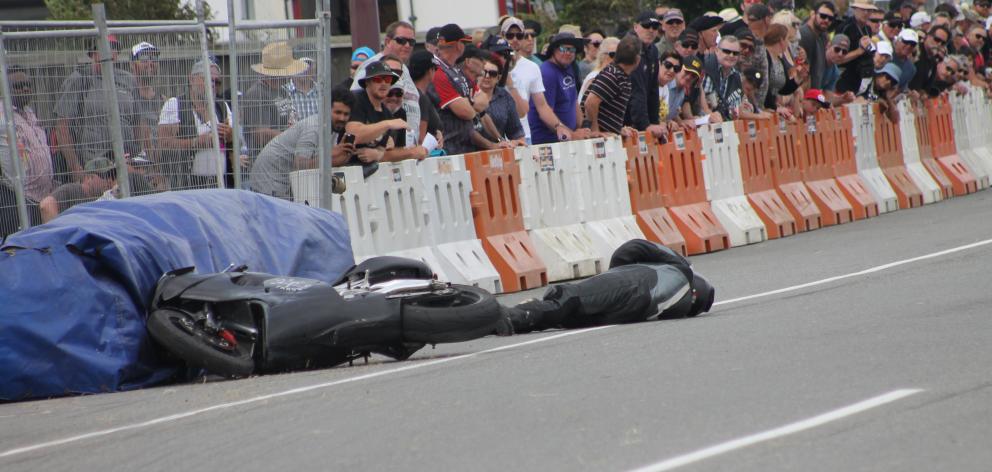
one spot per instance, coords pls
(561, 92)
(374, 126)
(722, 84)
(399, 42)
(892, 24)
(933, 52)
(32, 142)
(858, 62)
(903, 53)
(813, 39)
(642, 109)
(688, 43)
(672, 26)
(528, 84)
(148, 100)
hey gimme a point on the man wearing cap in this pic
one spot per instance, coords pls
(708, 27)
(685, 94)
(688, 43)
(268, 107)
(857, 63)
(147, 100)
(753, 53)
(813, 101)
(185, 138)
(82, 119)
(891, 26)
(399, 42)
(561, 92)
(32, 142)
(920, 21)
(605, 102)
(98, 176)
(813, 39)
(903, 52)
(672, 26)
(452, 93)
(302, 89)
(528, 85)
(373, 125)
(642, 111)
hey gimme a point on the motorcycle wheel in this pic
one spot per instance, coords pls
(181, 336)
(462, 313)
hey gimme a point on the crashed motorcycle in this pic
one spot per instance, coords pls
(237, 323)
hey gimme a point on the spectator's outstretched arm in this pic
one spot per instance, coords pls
(367, 133)
(462, 108)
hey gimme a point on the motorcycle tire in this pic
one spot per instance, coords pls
(465, 313)
(190, 347)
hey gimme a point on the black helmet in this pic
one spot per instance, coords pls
(703, 295)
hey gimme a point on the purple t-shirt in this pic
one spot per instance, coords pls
(562, 94)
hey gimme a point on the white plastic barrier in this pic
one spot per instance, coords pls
(605, 200)
(352, 204)
(863, 121)
(974, 126)
(725, 184)
(448, 185)
(551, 203)
(911, 155)
(963, 139)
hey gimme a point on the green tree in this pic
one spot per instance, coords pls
(123, 9)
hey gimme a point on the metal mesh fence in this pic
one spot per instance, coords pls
(63, 120)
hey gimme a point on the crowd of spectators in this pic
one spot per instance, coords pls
(499, 87)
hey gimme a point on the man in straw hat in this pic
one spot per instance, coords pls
(858, 63)
(268, 106)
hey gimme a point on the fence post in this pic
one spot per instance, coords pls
(113, 107)
(326, 143)
(211, 97)
(15, 156)
(232, 55)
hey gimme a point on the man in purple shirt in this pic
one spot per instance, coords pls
(560, 90)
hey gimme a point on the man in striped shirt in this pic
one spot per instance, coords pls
(606, 100)
(302, 88)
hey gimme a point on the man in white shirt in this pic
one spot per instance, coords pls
(526, 76)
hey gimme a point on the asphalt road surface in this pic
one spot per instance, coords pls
(866, 346)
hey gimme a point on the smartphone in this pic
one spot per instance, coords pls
(348, 139)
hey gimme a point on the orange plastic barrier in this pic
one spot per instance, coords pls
(787, 175)
(684, 193)
(646, 201)
(945, 149)
(499, 223)
(817, 170)
(845, 166)
(755, 151)
(888, 147)
(926, 154)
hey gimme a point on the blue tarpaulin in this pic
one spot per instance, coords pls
(74, 292)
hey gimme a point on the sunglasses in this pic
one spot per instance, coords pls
(749, 47)
(146, 57)
(651, 25)
(566, 49)
(491, 73)
(874, 20)
(730, 52)
(383, 79)
(405, 41)
(894, 24)
(395, 93)
(940, 42)
(826, 17)
(690, 45)
(24, 84)
(595, 44)
(674, 21)
(512, 36)
(612, 54)
(840, 50)
(670, 66)
(952, 71)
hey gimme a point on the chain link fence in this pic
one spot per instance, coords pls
(113, 110)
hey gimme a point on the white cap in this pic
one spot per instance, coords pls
(884, 47)
(141, 47)
(919, 19)
(511, 22)
(908, 36)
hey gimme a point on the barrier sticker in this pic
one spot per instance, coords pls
(752, 130)
(495, 161)
(546, 158)
(397, 175)
(599, 149)
(444, 165)
(811, 124)
(865, 110)
(642, 142)
(781, 127)
(718, 135)
(680, 141)
(837, 113)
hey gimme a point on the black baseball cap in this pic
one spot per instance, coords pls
(432, 35)
(706, 22)
(647, 17)
(758, 11)
(452, 33)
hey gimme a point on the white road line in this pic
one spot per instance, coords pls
(796, 427)
(856, 274)
(295, 391)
